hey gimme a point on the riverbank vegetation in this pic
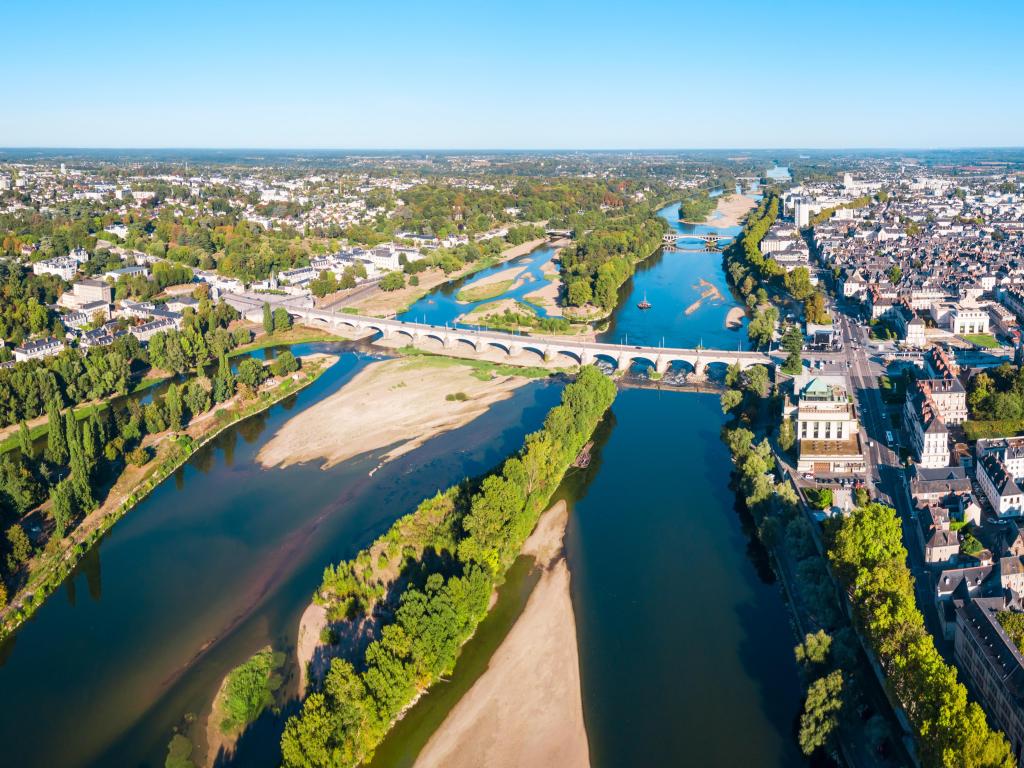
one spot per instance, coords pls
(834, 672)
(603, 258)
(428, 580)
(473, 293)
(867, 553)
(521, 318)
(58, 504)
(248, 689)
(758, 277)
(696, 208)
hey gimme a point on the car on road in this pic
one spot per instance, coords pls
(808, 476)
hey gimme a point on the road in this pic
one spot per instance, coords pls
(887, 480)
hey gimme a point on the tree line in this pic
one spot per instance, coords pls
(867, 553)
(453, 550)
(82, 456)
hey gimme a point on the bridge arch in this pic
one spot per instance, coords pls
(606, 357)
(537, 349)
(572, 354)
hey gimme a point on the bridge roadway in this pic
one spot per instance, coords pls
(547, 347)
(707, 237)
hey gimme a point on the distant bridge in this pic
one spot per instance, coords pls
(711, 238)
(546, 347)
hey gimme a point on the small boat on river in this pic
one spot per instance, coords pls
(645, 304)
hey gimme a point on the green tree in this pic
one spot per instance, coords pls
(392, 281)
(56, 440)
(63, 508)
(284, 363)
(268, 318)
(821, 712)
(25, 441)
(730, 399)
(20, 547)
(282, 320)
(251, 374)
(787, 434)
(793, 343)
(757, 380)
(814, 649)
(174, 408)
(894, 274)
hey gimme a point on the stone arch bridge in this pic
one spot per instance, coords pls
(548, 348)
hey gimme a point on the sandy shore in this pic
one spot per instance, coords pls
(734, 319)
(526, 709)
(398, 403)
(731, 210)
(547, 297)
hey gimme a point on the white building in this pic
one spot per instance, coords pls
(827, 430)
(62, 267)
(40, 348)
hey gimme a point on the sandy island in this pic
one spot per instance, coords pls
(734, 319)
(547, 297)
(387, 403)
(731, 210)
(526, 709)
(707, 291)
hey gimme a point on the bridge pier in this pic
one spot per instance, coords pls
(514, 349)
(661, 365)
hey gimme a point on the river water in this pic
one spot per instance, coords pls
(220, 560)
(685, 649)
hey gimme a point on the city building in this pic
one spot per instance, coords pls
(993, 664)
(827, 431)
(37, 349)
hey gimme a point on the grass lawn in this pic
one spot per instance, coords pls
(986, 340)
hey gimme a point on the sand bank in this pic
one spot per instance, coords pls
(735, 317)
(731, 210)
(707, 291)
(526, 709)
(547, 297)
(399, 403)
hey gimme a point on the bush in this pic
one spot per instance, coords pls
(284, 364)
(459, 396)
(138, 456)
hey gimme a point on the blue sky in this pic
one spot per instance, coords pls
(519, 75)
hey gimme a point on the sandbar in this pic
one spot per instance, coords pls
(399, 403)
(527, 708)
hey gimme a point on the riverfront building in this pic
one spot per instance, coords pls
(827, 430)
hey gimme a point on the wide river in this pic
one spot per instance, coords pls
(685, 649)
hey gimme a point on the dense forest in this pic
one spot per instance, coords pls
(444, 560)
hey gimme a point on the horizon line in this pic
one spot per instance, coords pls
(240, 148)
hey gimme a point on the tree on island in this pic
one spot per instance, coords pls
(268, 318)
